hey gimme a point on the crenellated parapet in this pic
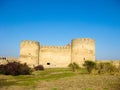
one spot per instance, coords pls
(56, 47)
(29, 42)
(84, 40)
(79, 50)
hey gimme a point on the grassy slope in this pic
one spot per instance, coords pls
(60, 79)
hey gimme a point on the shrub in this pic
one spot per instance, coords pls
(74, 66)
(39, 67)
(89, 65)
(15, 68)
(106, 67)
(118, 68)
(25, 69)
(1, 68)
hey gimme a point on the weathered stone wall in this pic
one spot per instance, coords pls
(55, 56)
(29, 52)
(5, 60)
(34, 54)
(82, 49)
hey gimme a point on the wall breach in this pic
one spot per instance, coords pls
(81, 49)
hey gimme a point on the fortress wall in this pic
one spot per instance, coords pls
(3, 61)
(114, 62)
(55, 56)
(8, 59)
(29, 52)
(82, 49)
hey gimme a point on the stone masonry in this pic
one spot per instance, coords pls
(80, 49)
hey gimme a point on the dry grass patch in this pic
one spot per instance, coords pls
(82, 82)
(60, 79)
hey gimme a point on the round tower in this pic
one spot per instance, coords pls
(29, 52)
(82, 49)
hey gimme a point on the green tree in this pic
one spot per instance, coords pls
(89, 65)
(74, 66)
(15, 68)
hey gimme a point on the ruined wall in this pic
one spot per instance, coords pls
(114, 62)
(5, 60)
(82, 49)
(29, 52)
(55, 56)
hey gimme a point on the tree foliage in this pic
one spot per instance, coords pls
(74, 66)
(15, 68)
(39, 67)
(89, 65)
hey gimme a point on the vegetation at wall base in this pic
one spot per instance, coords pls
(39, 67)
(74, 66)
(60, 79)
(106, 68)
(1, 68)
(89, 65)
(15, 68)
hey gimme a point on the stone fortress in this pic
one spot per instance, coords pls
(80, 49)
(33, 53)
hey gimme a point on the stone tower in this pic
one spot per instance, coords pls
(29, 52)
(82, 49)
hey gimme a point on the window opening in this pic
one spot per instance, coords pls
(48, 63)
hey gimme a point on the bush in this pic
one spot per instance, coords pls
(74, 66)
(106, 67)
(89, 65)
(118, 68)
(39, 67)
(1, 68)
(15, 68)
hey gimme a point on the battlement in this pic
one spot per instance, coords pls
(29, 42)
(83, 40)
(58, 47)
(80, 49)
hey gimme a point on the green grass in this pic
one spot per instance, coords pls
(60, 79)
(31, 80)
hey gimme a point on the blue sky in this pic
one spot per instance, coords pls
(57, 22)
